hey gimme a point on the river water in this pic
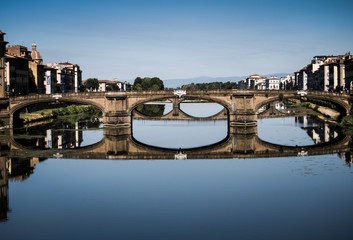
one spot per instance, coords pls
(297, 197)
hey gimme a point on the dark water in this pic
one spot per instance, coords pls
(307, 197)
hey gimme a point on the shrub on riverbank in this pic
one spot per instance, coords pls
(74, 109)
(347, 121)
(63, 111)
(323, 103)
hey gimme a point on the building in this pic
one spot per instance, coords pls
(321, 79)
(18, 51)
(68, 77)
(311, 69)
(301, 79)
(261, 85)
(324, 73)
(50, 80)
(37, 68)
(348, 71)
(256, 82)
(107, 85)
(22, 72)
(103, 85)
(2, 64)
(272, 83)
(242, 84)
(25, 70)
(123, 86)
(253, 82)
(17, 71)
(287, 82)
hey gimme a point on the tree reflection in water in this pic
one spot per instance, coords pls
(152, 110)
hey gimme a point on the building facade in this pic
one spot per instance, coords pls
(348, 71)
(124, 86)
(50, 80)
(37, 68)
(287, 82)
(257, 82)
(324, 73)
(68, 77)
(24, 74)
(17, 75)
(2, 64)
(254, 81)
(272, 83)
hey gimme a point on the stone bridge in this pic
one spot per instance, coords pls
(118, 143)
(117, 107)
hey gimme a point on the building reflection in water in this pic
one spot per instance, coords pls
(64, 139)
(4, 189)
(319, 131)
(65, 136)
(18, 169)
(348, 158)
(14, 170)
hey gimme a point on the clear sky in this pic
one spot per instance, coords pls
(180, 38)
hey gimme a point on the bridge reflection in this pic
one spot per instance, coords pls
(18, 158)
(119, 143)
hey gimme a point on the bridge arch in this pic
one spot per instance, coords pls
(343, 105)
(156, 98)
(73, 101)
(16, 108)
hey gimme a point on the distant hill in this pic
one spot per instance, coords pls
(174, 83)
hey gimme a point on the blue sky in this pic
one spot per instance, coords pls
(180, 38)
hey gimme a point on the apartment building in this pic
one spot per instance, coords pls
(324, 73)
(68, 77)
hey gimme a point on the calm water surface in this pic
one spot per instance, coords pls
(269, 198)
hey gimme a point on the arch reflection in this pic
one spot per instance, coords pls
(241, 142)
(179, 134)
(68, 134)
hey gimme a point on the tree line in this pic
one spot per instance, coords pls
(210, 86)
(93, 84)
(147, 83)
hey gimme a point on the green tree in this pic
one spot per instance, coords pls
(112, 87)
(138, 80)
(158, 82)
(137, 87)
(210, 86)
(92, 84)
(280, 96)
(148, 84)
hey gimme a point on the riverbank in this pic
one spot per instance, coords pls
(69, 111)
(321, 112)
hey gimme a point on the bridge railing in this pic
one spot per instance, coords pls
(58, 95)
(164, 92)
(333, 94)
